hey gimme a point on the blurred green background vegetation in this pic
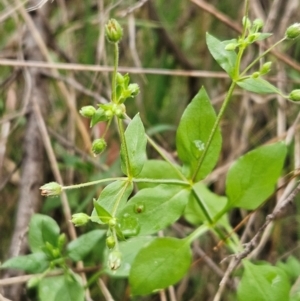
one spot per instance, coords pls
(158, 36)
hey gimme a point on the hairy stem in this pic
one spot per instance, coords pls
(94, 183)
(262, 55)
(114, 77)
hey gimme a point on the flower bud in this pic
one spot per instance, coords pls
(113, 31)
(253, 37)
(109, 114)
(293, 31)
(114, 260)
(55, 253)
(80, 219)
(33, 282)
(266, 67)
(295, 95)
(258, 24)
(112, 222)
(255, 74)
(110, 242)
(61, 241)
(87, 111)
(51, 189)
(98, 146)
(120, 79)
(231, 46)
(134, 89)
(246, 22)
(120, 110)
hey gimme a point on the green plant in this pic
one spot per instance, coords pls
(131, 222)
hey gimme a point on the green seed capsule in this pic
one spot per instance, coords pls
(87, 111)
(98, 146)
(295, 95)
(293, 31)
(80, 219)
(110, 242)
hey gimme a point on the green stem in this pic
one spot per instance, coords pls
(158, 149)
(203, 208)
(220, 214)
(246, 15)
(198, 232)
(162, 181)
(114, 77)
(214, 129)
(94, 183)
(124, 146)
(120, 195)
(107, 127)
(262, 55)
(238, 63)
(95, 277)
(203, 229)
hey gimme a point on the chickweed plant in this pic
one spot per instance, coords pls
(153, 194)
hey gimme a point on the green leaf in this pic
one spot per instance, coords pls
(129, 250)
(291, 267)
(263, 283)
(65, 287)
(157, 169)
(42, 229)
(78, 249)
(252, 178)
(257, 85)
(136, 141)
(161, 206)
(116, 192)
(32, 263)
(160, 264)
(226, 59)
(214, 206)
(211, 201)
(263, 36)
(128, 226)
(192, 135)
(98, 116)
(103, 215)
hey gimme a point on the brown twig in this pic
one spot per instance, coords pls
(95, 68)
(25, 278)
(232, 24)
(277, 212)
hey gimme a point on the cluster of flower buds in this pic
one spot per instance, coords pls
(265, 68)
(124, 89)
(105, 112)
(254, 34)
